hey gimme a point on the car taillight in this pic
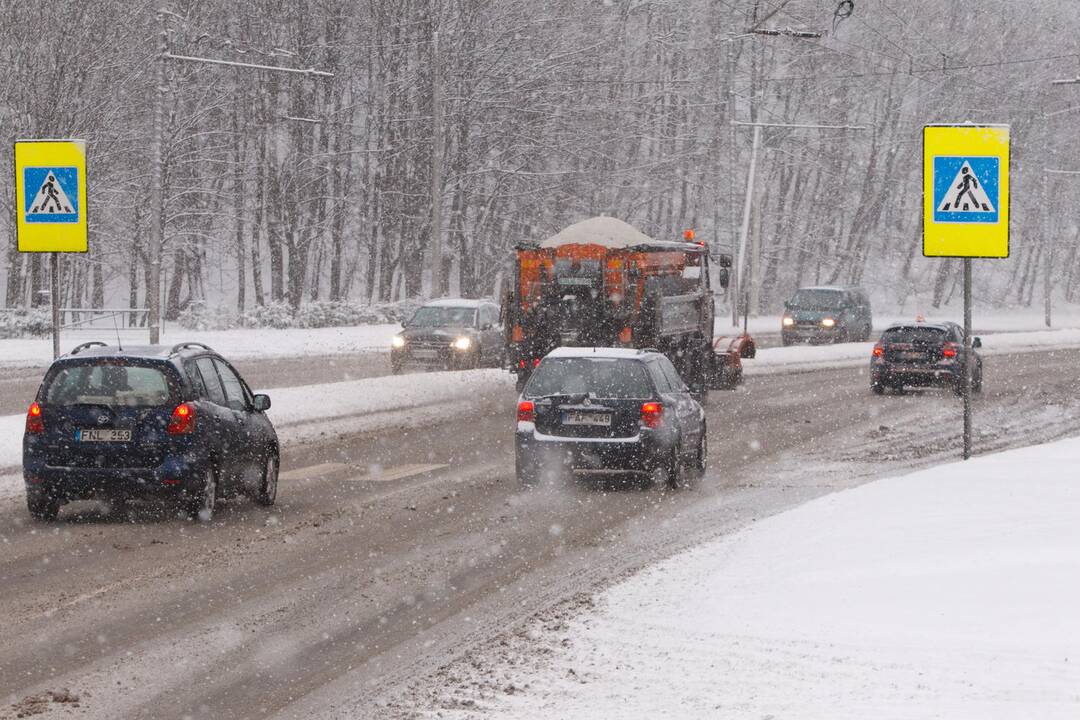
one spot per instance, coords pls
(878, 350)
(536, 361)
(526, 411)
(35, 424)
(182, 421)
(949, 351)
(652, 414)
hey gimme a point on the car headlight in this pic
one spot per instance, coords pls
(828, 322)
(789, 321)
(397, 341)
(462, 343)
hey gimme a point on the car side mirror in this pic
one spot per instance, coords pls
(976, 343)
(261, 403)
(486, 326)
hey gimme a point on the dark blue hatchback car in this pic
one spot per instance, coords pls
(173, 423)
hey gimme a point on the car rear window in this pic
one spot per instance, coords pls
(603, 377)
(118, 384)
(914, 335)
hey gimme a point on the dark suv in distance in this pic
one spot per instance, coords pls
(923, 354)
(827, 315)
(607, 411)
(450, 334)
(174, 423)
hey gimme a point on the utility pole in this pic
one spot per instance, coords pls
(157, 193)
(436, 168)
(740, 260)
(157, 200)
(738, 281)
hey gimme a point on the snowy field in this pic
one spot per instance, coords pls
(947, 593)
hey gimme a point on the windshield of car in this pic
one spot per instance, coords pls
(817, 299)
(911, 335)
(602, 377)
(118, 384)
(433, 316)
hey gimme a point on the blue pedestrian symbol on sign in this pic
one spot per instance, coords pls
(52, 194)
(966, 189)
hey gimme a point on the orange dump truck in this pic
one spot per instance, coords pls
(601, 282)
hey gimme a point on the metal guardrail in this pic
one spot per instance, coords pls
(127, 317)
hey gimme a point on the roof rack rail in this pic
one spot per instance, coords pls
(92, 343)
(647, 350)
(180, 346)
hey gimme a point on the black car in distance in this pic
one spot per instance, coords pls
(827, 315)
(609, 411)
(923, 354)
(153, 422)
(450, 334)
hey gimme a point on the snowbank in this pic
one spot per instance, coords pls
(948, 593)
(233, 344)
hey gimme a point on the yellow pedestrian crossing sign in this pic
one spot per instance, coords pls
(966, 191)
(50, 195)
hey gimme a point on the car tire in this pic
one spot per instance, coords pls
(702, 456)
(203, 502)
(977, 382)
(877, 388)
(42, 507)
(267, 492)
(526, 472)
(786, 341)
(396, 368)
(675, 471)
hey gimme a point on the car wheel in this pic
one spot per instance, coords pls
(526, 471)
(42, 507)
(976, 384)
(785, 341)
(702, 456)
(395, 368)
(267, 493)
(203, 502)
(672, 470)
(877, 388)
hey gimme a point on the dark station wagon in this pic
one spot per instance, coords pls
(174, 423)
(609, 411)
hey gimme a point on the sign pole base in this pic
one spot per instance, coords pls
(967, 358)
(54, 296)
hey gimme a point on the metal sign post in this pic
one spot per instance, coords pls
(50, 207)
(966, 212)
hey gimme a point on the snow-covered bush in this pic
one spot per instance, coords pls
(272, 315)
(200, 316)
(23, 323)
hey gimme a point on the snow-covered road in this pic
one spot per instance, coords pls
(950, 592)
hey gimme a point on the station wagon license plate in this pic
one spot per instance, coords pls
(426, 354)
(911, 356)
(102, 435)
(576, 417)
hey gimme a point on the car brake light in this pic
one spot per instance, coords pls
(536, 361)
(521, 364)
(652, 413)
(878, 350)
(526, 411)
(35, 424)
(949, 351)
(182, 421)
